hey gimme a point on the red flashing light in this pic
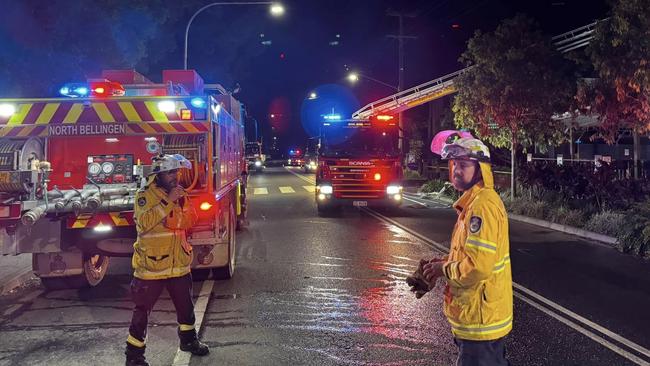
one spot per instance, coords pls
(205, 206)
(455, 26)
(106, 89)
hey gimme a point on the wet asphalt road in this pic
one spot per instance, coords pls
(330, 291)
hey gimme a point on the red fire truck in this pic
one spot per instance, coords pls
(359, 164)
(70, 167)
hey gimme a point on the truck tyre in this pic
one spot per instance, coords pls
(94, 270)
(227, 271)
(201, 274)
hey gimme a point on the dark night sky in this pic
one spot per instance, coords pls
(46, 43)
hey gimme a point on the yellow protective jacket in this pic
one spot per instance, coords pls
(161, 225)
(478, 296)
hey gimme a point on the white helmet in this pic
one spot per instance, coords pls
(165, 163)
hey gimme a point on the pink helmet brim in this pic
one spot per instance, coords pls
(443, 137)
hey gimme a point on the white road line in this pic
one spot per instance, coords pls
(556, 307)
(585, 332)
(426, 202)
(308, 180)
(583, 320)
(310, 189)
(261, 191)
(183, 358)
(287, 190)
(419, 203)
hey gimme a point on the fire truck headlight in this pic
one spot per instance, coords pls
(7, 110)
(321, 197)
(258, 163)
(326, 189)
(397, 197)
(167, 106)
(393, 190)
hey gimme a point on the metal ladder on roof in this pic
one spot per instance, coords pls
(440, 87)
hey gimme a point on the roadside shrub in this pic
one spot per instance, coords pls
(634, 234)
(606, 223)
(567, 216)
(432, 186)
(536, 209)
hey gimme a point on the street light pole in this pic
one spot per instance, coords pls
(275, 10)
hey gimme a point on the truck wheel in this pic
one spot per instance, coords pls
(200, 274)
(227, 271)
(94, 270)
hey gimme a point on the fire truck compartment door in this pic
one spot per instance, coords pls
(43, 237)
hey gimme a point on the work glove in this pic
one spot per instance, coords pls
(417, 281)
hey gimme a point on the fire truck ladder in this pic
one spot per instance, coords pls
(442, 86)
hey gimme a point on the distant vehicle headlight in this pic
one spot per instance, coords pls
(258, 163)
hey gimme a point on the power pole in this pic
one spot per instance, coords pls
(400, 76)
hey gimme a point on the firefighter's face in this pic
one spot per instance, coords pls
(465, 173)
(168, 179)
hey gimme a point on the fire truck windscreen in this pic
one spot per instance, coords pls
(252, 148)
(345, 141)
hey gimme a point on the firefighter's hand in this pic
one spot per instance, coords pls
(432, 271)
(416, 281)
(175, 193)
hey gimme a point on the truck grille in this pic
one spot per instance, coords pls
(357, 182)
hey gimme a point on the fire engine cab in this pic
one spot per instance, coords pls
(359, 164)
(70, 168)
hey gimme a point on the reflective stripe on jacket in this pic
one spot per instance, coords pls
(161, 225)
(478, 297)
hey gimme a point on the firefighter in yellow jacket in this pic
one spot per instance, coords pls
(162, 257)
(478, 293)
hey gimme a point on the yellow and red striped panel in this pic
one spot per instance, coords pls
(108, 218)
(141, 116)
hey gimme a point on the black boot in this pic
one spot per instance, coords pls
(135, 356)
(190, 343)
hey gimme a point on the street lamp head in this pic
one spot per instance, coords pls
(276, 9)
(313, 95)
(353, 77)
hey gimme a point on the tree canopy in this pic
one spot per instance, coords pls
(620, 54)
(516, 82)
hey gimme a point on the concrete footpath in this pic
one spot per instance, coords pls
(15, 270)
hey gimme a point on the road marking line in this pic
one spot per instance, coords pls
(261, 191)
(557, 307)
(412, 200)
(308, 180)
(183, 358)
(310, 189)
(585, 332)
(287, 190)
(583, 320)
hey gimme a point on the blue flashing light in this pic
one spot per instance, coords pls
(332, 117)
(291, 152)
(198, 102)
(75, 90)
